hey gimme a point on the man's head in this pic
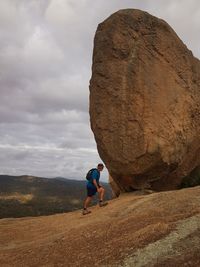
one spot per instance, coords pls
(100, 167)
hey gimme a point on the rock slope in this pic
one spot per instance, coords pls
(144, 102)
(160, 229)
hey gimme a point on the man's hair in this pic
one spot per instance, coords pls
(100, 165)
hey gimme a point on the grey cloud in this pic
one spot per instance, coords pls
(45, 67)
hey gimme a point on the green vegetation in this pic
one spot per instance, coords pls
(22, 196)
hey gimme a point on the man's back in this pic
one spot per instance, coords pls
(94, 175)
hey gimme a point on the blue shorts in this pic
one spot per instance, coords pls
(91, 191)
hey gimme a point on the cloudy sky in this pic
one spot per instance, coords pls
(45, 67)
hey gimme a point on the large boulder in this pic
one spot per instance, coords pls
(144, 102)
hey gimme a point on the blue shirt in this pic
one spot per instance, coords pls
(95, 176)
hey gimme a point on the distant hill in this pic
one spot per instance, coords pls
(22, 196)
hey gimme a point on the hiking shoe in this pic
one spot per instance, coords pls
(102, 204)
(85, 212)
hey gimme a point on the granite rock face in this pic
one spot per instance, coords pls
(114, 187)
(144, 102)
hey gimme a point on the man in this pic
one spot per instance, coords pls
(93, 186)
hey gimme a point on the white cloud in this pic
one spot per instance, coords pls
(45, 67)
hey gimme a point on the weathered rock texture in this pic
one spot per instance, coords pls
(135, 230)
(144, 102)
(114, 187)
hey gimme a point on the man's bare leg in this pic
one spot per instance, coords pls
(87, 202)
(101, 192)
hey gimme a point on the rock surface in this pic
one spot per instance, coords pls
(161, 229)
(144, 102)
(114, 187)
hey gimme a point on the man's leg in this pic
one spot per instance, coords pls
(87, 202)
(101, 193)
(90, 193)
(101, 196)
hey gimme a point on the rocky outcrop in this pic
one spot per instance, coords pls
(114, 187)
(144, 102)
(160, 229)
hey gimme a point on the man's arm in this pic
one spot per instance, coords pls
(95, 184)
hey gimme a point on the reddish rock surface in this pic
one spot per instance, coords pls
(156, 230)
(144, 102)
